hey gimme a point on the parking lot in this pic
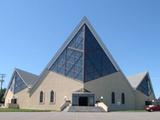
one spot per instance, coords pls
(79, 116)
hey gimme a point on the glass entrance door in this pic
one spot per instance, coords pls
(83, 101)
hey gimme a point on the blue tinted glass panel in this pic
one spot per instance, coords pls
(145, 86)
(83, 61)
(97, 63)
(12, 85)
(19, 84)
(70, 62)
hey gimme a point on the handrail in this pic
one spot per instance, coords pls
(102, 105)
(64, 105)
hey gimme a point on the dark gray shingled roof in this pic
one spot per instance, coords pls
(29, 78)
(136, 79)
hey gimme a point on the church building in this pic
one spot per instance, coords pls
(82, 73)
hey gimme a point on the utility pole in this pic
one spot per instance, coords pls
(2, 76)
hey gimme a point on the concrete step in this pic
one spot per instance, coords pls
(85, 109)
(66, 109)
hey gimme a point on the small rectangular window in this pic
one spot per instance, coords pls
(52, 96)
(123, 98)
(113, 98)
(41, 97)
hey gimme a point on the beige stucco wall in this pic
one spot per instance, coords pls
(141, 98)
(113, 83)
(61, 85)
(8, 97)
(64, 86)
(23, 98)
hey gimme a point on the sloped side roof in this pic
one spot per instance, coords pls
(136, 79)
(83, 90)
(29, 78)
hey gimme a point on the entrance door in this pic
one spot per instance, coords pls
(83, 101)
(13, 101)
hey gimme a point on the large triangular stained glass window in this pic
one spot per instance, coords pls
(83, 59)
(97, 63)
(70, 62)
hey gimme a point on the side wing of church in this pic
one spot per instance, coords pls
(82, 73)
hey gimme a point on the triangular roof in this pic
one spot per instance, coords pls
(83, 22)
(28, 78)
(135, 80)
(83, 90)
(139, 79)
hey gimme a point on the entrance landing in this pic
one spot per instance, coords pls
(85, 109)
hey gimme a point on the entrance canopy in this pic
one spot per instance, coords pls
(83, 97)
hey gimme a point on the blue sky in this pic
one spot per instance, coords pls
(31, 31)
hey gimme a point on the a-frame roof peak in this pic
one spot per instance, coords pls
(84, 20)
(84, 23)
(135, 80)
(28, 78)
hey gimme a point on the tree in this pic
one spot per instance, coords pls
(2, 92)
(2, 76)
